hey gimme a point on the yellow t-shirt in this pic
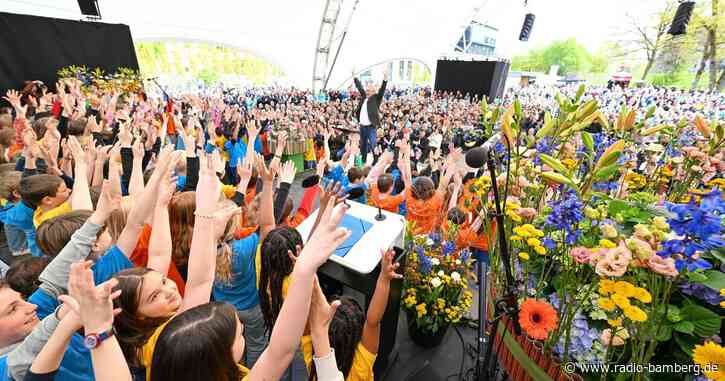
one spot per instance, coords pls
(39, 216)
(310, 150)
(258, 265)
(147, 353)
(362, 363)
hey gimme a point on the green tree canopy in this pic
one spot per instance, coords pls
(571, 57)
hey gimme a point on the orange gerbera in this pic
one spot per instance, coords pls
(537, 318)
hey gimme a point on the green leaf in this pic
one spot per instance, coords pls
(598, 315)
(673, 314)
(664, 334)
(686, 343)
(517, 108)
(606, 172)
(579, 92)
(554, 164)
(715, 279)
(560, 179)
(706, 322)
(588, 141)
(696, 276)
(650, 112)
(684, 327)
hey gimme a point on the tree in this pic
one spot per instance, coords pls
(568, 54)
(650, 36)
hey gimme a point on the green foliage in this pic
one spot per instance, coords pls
(202, 61)
(571, 57)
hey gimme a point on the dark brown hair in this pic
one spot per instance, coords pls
(276, 266)
(181, 224)
(354, 174)
(54, 233)
(132, 332)
(77, 126)
(22, 276)
(7, 136)
(9, 184)
(423, 188)
(40, 126)
(385, 182)
(36, 187)
(197, 345)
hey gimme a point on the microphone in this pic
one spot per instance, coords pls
(477, 157)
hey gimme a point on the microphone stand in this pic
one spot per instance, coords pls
(504, 305)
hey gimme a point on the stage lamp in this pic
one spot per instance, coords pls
(526, 28)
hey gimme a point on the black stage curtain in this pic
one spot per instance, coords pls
(473, 77)
(35, 48)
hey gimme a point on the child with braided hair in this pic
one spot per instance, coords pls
(353, 336)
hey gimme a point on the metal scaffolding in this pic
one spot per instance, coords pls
(322, 69)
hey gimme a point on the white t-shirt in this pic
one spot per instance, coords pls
(364, 119)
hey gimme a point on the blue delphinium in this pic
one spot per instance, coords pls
(448, 248)
(544, 145)
(566, 212)
(699, 229)
(436, 237)
(464, 255)
(425, 263)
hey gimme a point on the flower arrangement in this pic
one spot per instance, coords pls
(124, 80)
(616, 237)
(435, 290)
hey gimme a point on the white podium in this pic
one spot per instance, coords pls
(362, 251)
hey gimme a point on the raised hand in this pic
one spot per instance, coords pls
(266, 174)
(244, 170)
(325, 239)
(124, 134)
(109, 200)
(76, 150)
(93, 304)
(207, 189)
(387, 267)
(321, 312)
(138, 149)
(167, 187)
(331, 191)
(252, 130)
(287, 175)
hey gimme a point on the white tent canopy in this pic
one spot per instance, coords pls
(285, 31)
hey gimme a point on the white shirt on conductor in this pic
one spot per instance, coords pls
(364, 118)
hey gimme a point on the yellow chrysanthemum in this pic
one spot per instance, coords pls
(524, 256)
(642, 295)
(711, 357)
(516, 238)
(607, 244)
(621, 301)
(615, 322)
(607, 304)
(533, 242)
(540, 250)
(722, 292)
(420, 308)
(521, 231)
(623, 288)
(635, 313)
(606, 286)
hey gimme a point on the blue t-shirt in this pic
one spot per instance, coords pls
(21, 216)
(362, 199)
(4, 376)
(241, 291)
(108, 265)
(237, 151)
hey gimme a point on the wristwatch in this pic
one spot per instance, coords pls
(93, 340)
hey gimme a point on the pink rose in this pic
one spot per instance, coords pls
(527, 213)
(581, 254)
(663, 266)
(605, 267)
(620, 255)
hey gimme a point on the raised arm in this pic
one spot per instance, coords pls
(159, 252)
(144, 205)
(266, 217)
(386, 77)
(371, 330)
(135, 185)
(207, 223)
(81, 194)
(451, 169)
(286, 334)
(279, 149)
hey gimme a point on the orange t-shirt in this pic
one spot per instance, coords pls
(140, 258)
(467, 237)
(385, 202)
(426, 214)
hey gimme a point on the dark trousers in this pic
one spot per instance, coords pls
(368, 140)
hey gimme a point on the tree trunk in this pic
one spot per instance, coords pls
(721, 81)
(712, 37)
(650, 62)
(701, 66)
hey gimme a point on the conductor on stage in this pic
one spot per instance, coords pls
(368, 113)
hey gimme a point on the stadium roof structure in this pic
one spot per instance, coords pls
(285, 32)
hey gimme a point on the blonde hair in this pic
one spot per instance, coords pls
(224, 249)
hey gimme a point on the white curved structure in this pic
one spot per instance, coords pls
(287, 31)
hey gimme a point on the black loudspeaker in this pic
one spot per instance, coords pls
(89, 7)
(473, 77)
(682, 18)
(526, 28)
